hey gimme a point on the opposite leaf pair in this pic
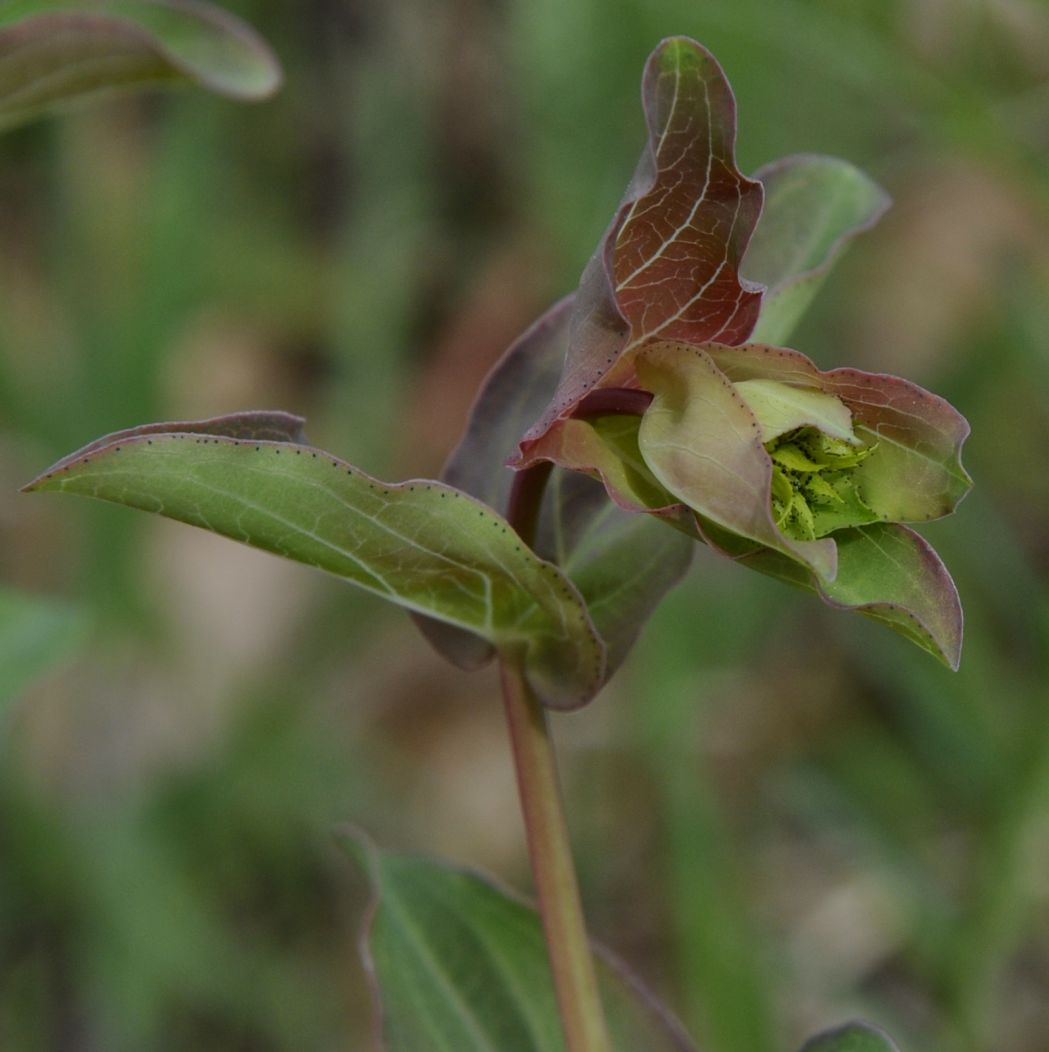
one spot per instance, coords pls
(642, 381)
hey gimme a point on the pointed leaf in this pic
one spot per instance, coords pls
(668, 265)
(420, 544)
(53, 52)
(853, 1037)
(460, 965)
(886, 572)
(813, 206)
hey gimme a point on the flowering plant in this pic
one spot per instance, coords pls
(652, 409)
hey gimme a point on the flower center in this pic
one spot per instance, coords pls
(813, 491)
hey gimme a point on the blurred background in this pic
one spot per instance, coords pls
(783, 816)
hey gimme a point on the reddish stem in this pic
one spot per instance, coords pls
(546, 830)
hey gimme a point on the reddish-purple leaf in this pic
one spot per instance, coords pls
(668, 266)
(513, 394)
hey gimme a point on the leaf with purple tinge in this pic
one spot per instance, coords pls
(813, 206)
(622, 563)
(513, 394)
(579, 529)
(459, 963)
(852, 1037)
(702, 441)
(704, 445)
(53, 52)
(886, 572)
(420, 544)
(668, 266)
(917, 474)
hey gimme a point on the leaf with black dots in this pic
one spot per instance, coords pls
(420, 544)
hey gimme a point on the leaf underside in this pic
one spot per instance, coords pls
(55, 52)
(420, 544)
(813, 207)
(459, 965)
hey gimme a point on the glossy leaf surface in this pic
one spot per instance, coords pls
(853, 1037)
(813, 206)
(459, 965)
(53, 52)
(420, 544)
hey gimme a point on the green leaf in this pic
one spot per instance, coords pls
(35, 635)
(511, 397)
(886, 572)
(853, 1037)
(53, 52)
(780, 408)
(813, 207)
(460, 965)
(420, 544)
(622, 565)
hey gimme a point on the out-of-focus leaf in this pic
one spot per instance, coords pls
(668, 265)
(853, 1037)
(512, 396)
(53, 52)
(460, 965)
(420, 544)
(35, 635)
(813, 206)
(886, 572)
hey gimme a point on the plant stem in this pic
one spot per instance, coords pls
(552, 869)
(546, 830)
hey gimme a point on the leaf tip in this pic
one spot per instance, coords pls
(360, 847)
